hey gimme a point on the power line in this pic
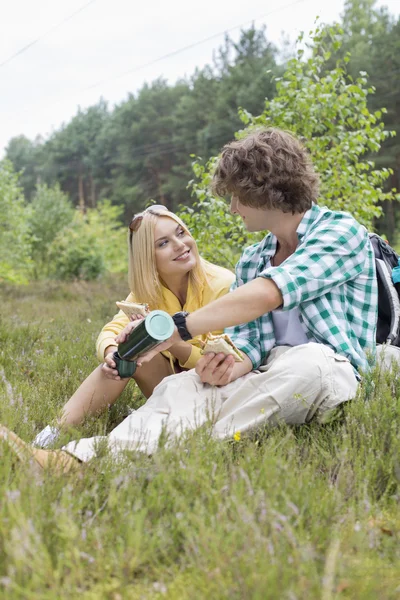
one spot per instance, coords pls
(175, 52)
(25, 48)
(189, 46)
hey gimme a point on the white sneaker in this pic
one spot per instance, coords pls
(46, 437)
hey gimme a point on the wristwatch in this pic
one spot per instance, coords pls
(179, 319)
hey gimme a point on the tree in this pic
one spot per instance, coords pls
(142, 133)
(69, 156)
(24, 155)
(372, 37)
(91, 244)
(207, 117)
(141, 149)
(15, 248)
(328, 110)
(51, 211)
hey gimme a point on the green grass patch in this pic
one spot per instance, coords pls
(296, 513)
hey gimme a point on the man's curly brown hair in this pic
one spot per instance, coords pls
(269, 168)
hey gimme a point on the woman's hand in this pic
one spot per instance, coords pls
(174, 339)
(135, 321)
(108, 368)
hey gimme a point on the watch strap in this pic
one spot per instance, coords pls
(179, 319)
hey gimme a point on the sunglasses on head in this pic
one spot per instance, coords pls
(154, 209)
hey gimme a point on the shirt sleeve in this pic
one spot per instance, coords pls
(246, 336)
(195, 355)
(334, 254)
(111, 330)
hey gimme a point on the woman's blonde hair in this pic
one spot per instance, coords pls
(144, 279)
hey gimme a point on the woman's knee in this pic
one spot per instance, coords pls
(151, 374)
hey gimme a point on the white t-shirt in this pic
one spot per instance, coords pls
(288, 329)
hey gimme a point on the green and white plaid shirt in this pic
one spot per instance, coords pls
(331, 279)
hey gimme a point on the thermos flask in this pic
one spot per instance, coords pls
(157, 327)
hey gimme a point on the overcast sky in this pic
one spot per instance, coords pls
(102, 50)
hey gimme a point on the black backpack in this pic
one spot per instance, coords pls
(386, 259)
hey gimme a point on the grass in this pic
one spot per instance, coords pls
(298, 513)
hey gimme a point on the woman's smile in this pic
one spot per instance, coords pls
(184, 256)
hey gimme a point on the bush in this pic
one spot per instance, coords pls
(328, 110)
(105, 224)
(15, 243)
(91, 245)
(76, 253)
(51, 212)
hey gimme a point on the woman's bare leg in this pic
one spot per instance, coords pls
(152, 373)
(98, 391)
(95, 394)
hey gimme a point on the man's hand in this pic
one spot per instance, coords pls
(215, 369)
(218, 369)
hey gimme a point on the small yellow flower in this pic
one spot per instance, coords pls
(236, 437)
(262, 411)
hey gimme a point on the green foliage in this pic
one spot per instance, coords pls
(141, 149)
(328, 110)
(15, 262)
(295, 513)
(70, 156)
(372, 36)
(104, 223)
(91, 245)
(51, 212)
(220, 235)
(25, 157)
(76, 253)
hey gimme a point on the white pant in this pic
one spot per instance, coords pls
(387, 357)
(293, 386)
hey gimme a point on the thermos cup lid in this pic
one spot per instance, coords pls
(159, 325)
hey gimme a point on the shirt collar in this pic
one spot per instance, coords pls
(310, 216)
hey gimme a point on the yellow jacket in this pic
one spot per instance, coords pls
(218, 283)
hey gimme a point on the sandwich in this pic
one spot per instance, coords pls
(133, 309)
(221, 343)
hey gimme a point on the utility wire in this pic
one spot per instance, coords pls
(173, 53)
(189, 46)
(25, 48)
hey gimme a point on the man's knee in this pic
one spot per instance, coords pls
(305, 359)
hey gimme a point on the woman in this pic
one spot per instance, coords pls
(166, 272)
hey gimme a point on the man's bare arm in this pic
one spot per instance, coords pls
(246, 303)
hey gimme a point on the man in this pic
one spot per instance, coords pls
(302, 311)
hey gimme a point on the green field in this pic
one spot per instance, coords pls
(308, 513)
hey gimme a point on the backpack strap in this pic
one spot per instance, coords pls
(386, 279)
